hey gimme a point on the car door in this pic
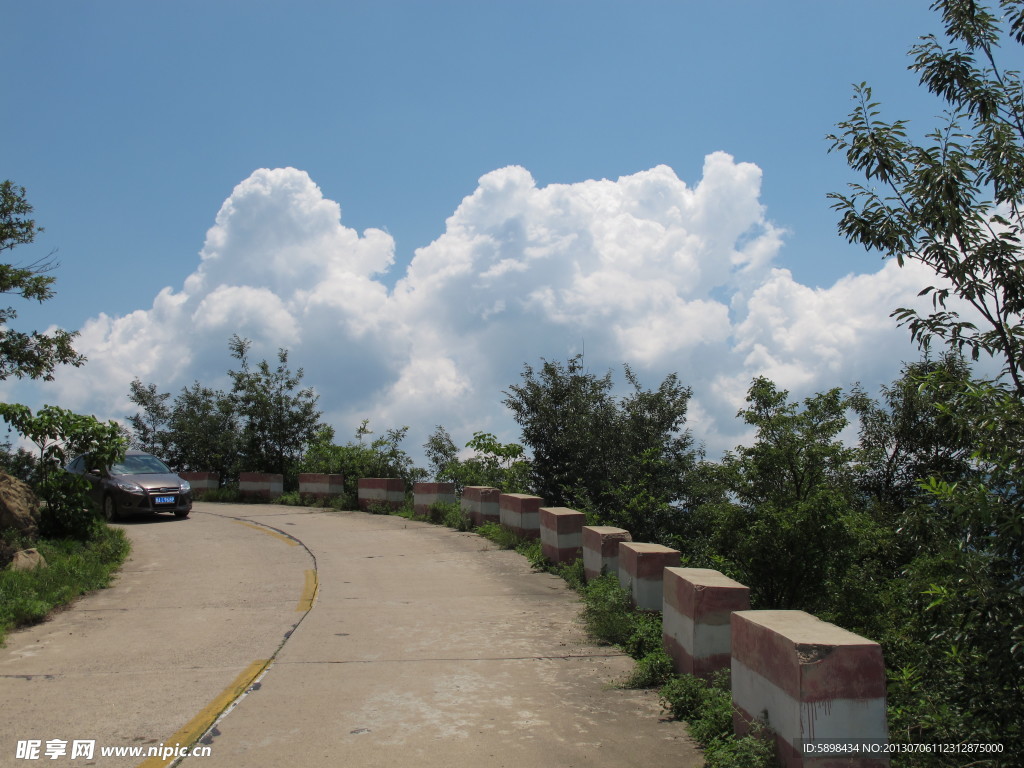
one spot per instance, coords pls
(80, 467)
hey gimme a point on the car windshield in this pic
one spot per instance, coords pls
(140, 464)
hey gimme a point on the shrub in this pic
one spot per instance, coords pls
(645, 634)
(683, 695)
(751, 751)
(383, 508)
(652, 669)
(606, 610)
(293, 499)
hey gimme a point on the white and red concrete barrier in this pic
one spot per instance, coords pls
(520, 513)
(425, 494)
(480, 502)
(321, 486)
(601, 549)
(641, 568)
(814, 681)
(201, 481)
(696, 618)
(386, 491)
(561, 533)
(264, 485)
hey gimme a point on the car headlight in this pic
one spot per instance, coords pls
(124, 485)
(185, 486)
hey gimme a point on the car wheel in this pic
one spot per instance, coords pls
(110, 509)
(182, 513)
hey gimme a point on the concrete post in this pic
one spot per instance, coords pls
(201, 481)
(601, 549)
(696, 615)
(260, 484)
(425, 494)
(389, 491)
(641, 569)
(815, 681)
(480, 502)
(561, 533)
(320, 485)
(520, 513)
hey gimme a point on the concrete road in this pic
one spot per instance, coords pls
(283, 635)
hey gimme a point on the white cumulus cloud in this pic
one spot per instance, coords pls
(646, 270)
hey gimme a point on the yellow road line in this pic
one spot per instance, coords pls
(275, 534)
(198, 725)
(308, 592)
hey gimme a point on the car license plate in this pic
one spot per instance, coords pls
(164, 500)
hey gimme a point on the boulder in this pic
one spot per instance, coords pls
(19, 514)
(19, 507)
(27, 560)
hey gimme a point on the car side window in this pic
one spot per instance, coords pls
(77, 466)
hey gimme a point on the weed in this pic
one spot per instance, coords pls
(453, 516)
(645, 634)
(706, 706)
(383, 508)
(499, 534)
(531, 550)
(572, 573)
(713, 721)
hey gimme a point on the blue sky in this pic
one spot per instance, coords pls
(131, 123)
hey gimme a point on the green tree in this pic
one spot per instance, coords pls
(952, 200)
(383, 457)
(567, 415)
(204, 428)
(278, 419)
(442, 455)
(151, 425)
(18, 462)
(495, 464)
(623, 460)
(60, 436)
(34, 354)
(788, 523)
(905, 437)
(198, 431)
(971, 564)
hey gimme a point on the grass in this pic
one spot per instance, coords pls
(74, 568)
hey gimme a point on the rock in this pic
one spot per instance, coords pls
(19, 507)
(28, 560)
(19, 514)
